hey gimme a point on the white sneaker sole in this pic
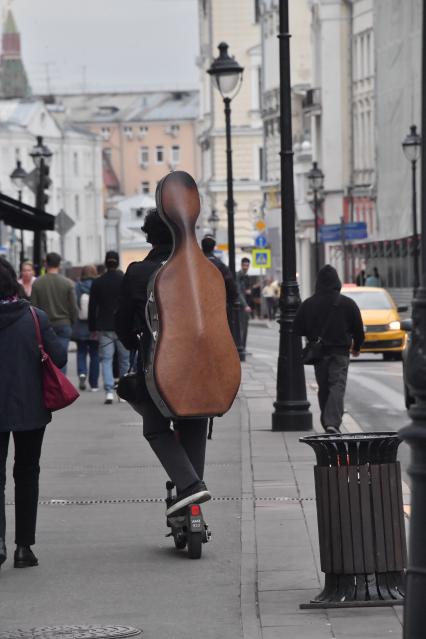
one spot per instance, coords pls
(196, 498)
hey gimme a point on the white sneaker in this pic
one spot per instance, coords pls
(94, 390)
(82, 382)
(109, 397)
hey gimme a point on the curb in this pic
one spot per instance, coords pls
(250, 620)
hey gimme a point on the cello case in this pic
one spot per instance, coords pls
(193, 368)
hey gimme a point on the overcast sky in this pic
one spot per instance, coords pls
(108, 44)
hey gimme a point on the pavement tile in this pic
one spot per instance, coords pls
(287, 579)
(320, 631)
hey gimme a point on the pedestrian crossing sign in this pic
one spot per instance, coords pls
(261, 258)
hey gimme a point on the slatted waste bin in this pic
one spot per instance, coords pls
(360, 519)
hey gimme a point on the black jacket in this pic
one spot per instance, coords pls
(345, 324)
(103, 301)
(130, 315)
(21, 398)
(230, 286)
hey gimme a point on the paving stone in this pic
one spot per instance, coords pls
(287, 579)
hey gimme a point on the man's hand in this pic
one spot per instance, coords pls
(93, 335)
(247, 309)
(354, 353)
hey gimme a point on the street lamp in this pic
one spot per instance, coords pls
(411, 147)
(18, 177)
(291, 406)
(42, 158)
(227, 75)
(316, 183)
(213, 221)
(415, 433)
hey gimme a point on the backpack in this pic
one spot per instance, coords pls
(83, 311)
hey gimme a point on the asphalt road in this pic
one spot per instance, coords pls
(374, 395)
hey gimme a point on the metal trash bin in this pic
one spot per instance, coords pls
(360, 519)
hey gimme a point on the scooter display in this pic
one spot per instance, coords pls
(187, 526)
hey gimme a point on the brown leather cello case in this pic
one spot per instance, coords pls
(193, 368)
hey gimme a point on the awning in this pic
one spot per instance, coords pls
(22, 216)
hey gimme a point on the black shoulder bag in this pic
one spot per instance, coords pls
(313, 352)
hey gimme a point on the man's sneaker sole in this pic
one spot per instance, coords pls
(196, 498)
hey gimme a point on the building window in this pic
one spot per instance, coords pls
(144, 156)
(105, 132)
(159, 154)
(75, 163)
(78, 248)
(143, 130)
(175, 154)
(108, 152)
(256, 11)
(77, 207)
(145, 187)
(173, 130)
(128, 132)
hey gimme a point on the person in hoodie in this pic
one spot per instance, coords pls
(343, 335)
(85, 345)
(22, 410)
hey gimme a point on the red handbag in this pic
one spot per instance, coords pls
(58, 392)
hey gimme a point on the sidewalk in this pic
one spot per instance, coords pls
(280, 540)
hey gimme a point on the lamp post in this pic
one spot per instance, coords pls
(411, 146)
(42, 157)
(291, 406)
(213, 221)
(226, 74)
(18, 177)
(415, 433)
(316, 183)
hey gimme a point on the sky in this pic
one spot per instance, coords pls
(106, 45)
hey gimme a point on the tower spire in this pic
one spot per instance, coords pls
(14, 81)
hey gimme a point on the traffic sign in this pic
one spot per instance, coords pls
(63, 223)
(350, 231)
(261, 258)
(261, 241)
(260, 225)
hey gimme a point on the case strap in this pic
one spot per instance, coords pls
(38, 332)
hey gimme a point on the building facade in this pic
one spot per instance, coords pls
(237, 24)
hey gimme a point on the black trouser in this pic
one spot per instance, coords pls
(26, 472)
(331, 375)
(181, 454)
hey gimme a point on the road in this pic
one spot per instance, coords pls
(374, 396)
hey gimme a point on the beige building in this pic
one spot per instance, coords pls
(235, 23)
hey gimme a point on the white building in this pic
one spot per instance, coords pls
(76, 174)
(235, 23)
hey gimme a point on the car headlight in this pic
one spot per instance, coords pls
(395, 326)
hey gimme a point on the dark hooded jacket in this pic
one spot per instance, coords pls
(21, 398)
(345, 324)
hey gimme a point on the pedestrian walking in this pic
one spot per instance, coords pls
(336, 320)
(246, 298)
(374, 279)
(256, 291)
(269, 295)
(55, 295)
(360, 278)
(183, 457)
(86, 346)
(22, 410)
(208, 244)
(27, 278)
(103, 303)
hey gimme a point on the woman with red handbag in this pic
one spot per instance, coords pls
(22, 409)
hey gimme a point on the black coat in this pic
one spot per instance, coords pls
(21, 398)
(345, 324)
(103, 300)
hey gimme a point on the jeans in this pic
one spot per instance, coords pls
(331, 374)
(181, 454)
(108, 342)
(88, 347)
(26, 472)
(63, 333)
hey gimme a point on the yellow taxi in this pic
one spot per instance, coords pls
(382, 324)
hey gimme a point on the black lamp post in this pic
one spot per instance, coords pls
(411, 147)
(415, 433)
(316, 183)
(291, 406)
(213, 221)
(18, 177)
(227, 76)
(42, 157)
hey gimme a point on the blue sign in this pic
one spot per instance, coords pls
(261, 241)
(350, 231)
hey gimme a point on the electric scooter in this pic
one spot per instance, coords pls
(188, 527)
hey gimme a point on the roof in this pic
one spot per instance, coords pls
(10, 24)
(18, 111)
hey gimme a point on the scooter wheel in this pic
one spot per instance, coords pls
(180, 542)
(195, 543)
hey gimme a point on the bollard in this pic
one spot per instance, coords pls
(360, 520)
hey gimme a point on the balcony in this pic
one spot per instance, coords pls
(312, 101)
